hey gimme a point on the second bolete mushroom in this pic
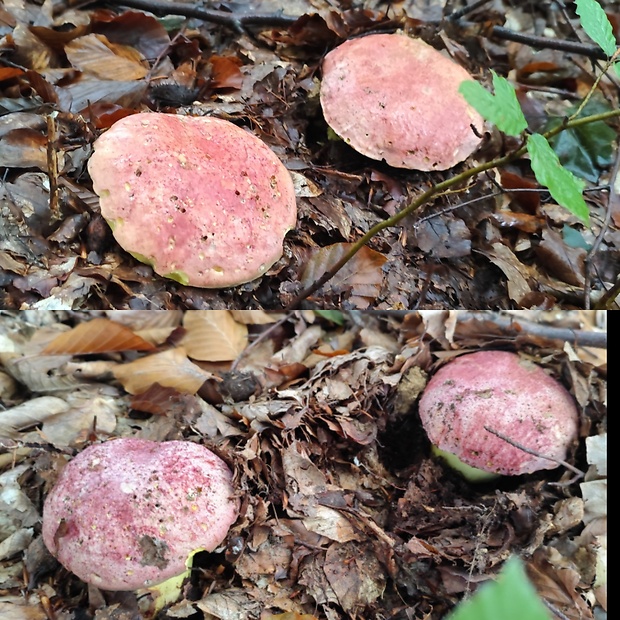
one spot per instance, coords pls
(500, 391)
(128, 513)
(203, 201)
(396, 98)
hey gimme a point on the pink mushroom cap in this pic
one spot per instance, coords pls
(201, 200)
(513, 397)
(396, 98)
(126, 514)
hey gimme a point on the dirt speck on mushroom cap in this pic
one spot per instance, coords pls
(200, 199)
(513, 397)
(127, 513)
(396, 98)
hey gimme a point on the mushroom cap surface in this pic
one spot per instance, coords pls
(127, 513)
(396, 98)
(511, 396)
(201, 200)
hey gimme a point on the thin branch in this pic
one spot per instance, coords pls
(429, 193)
(591, 51)
(469, 8)
(514, 323)
(238, 22)
(613, 203)
(578, 473)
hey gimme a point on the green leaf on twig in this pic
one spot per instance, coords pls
(596, 25)
(502, 108)
(563, 185)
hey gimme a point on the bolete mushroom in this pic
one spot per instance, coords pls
(126, 514)
(396, 98)
(201, 200)
(507, 394)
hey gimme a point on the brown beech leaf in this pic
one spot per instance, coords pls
(515, 272)
(94, 54)
(527, 200)
(170, 369)
(213, 335)
(24, 148)
(361, 277)
(160, 400)
(561, 260)
(225, 72)
(135, 29)
(559, 586)
(355, 575)
(521, 221)
(96, 336)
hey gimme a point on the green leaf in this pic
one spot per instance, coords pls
(587, 149)
(574, 238)
(510, 597)
(502, 109)
(596, 25)
(563, 185)
(335, 316)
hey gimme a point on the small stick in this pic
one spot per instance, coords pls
(518, 325)
(235, 21)
(512, 442)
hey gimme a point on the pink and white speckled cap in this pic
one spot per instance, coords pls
(396, 98)
(126, 514)
(203, 201)
(513, 397)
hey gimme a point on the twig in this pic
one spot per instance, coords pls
(575, 47)
(554, 610)
(613, 203)
(578, 473)
(436, 189)
(607, 301)
(577, 337)
(469, 8)
(238, 22)
(265, 334)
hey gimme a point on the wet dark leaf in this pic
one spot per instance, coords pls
(588, 149)
(443, 237)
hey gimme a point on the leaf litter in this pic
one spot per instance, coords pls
(67, 74)
(344, 511)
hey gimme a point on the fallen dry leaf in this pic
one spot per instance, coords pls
(213, 336)
(96, 336)
(359, 280)
(170, 368)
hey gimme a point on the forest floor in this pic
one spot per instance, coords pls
(344, 511)
(68, 71)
